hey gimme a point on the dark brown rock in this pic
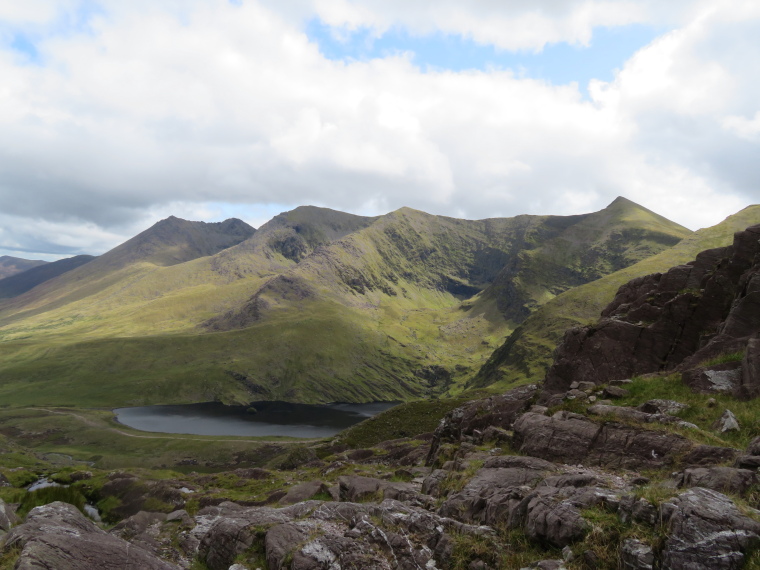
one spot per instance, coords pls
(572, 438)
(721, 479)
(710, 455)
(614, 392)
(750, 380)
(666, 321)
(719, 379)
(498, 411)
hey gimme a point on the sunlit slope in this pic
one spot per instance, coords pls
(315, 306)
(527, 353)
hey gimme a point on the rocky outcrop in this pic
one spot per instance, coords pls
(573, 438)
(58, 537)
(676, 320)
(474, 418)
(706, 530)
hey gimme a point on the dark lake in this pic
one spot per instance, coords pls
(268, 419)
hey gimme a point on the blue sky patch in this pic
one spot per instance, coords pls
(558, 64)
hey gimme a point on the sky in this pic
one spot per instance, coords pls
(114, 115)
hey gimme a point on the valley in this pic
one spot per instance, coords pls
(577, 393)
(315, 306)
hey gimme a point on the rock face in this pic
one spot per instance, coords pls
(676, 320)
(706, 530)
(573, 438)
(58, 537)
(474, 418)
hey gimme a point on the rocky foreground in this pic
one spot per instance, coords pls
(584, 471)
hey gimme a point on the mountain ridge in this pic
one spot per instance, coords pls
(316, 305)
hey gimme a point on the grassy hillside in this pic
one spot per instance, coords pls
(527, 354)
(315, 306)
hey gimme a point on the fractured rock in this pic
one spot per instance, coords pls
(58, 537)
(706, 530)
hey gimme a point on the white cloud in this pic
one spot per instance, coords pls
(174, 107)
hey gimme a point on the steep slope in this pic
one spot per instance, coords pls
(29, 279)
(703, 310)
(590, 247)
(527, 354)
(315, 306)
(13, 265)
(170, 242)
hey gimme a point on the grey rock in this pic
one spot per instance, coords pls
(726, 422)
(658, 406)
(636, 555)
(8, 516)
(614, 392)
(718, 379)
(431, 485)
(58, 537)
(557, 523)
(706, 530)
(356, 488)
(637, 510)
(489, 485)
(710, 455)
(303, 492)
(235, 530)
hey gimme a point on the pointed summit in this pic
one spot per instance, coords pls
(174, 240)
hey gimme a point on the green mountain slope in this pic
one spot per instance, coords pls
(527, 354)
(314, 306)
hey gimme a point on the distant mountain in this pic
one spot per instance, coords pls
(29, 279)
(315, 306)
(13, 265)
(173, 240)
(527, 353)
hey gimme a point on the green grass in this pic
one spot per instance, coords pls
(724, 359)
(48, 495)
(698, 412)
(93, 440)
(405, 420)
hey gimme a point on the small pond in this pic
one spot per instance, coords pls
(260, 419)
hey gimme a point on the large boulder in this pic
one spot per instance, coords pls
(476, 416)
(572, 438)
(706, 530)
(58, 537)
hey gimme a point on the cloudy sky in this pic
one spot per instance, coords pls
(116, 114)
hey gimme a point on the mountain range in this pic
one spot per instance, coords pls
(318, 305)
